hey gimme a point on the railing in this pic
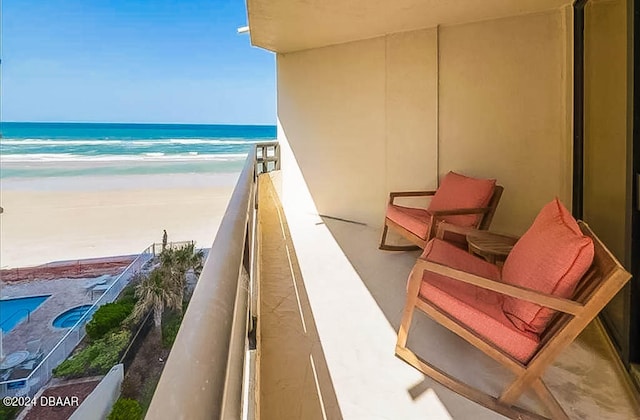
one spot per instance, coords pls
(156, 248)
(39, 376)
(267, 157)
(205, 376)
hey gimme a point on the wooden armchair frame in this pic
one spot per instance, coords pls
(598, 286)
(419, 243)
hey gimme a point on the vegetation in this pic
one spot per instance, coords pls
(164, 287)
(147, 391)
(144, 371)
(170, 327)
(126, 409)
(95, 359)
(109, 317)
(162, 291)
(175, 263)
(128, 294)
(8, 412)
(156, 292)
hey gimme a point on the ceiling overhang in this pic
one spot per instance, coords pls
(292, 25)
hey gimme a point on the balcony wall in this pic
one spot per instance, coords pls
(489, 99)
(360, 119)
(505, 110)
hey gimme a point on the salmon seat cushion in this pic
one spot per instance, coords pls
(474, 307)
(551, 257)
(416, 221)
(462, 192)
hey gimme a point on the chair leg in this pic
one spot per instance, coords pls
(385, 247)
(413, 290)
(511, 394)
(384, 235)
(463, 389)
(555, 409)
(403, 331)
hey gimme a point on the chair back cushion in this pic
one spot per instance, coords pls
(551, 257)
(462, 192)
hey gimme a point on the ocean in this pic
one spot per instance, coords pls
(32, 150)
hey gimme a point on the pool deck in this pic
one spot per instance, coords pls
(65, 294)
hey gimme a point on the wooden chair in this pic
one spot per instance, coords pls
(419, 225)
(603, 279)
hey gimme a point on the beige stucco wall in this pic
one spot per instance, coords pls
(503, 110)
(359, 119)
(489, 99)
(331, 109)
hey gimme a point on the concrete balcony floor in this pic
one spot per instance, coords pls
(329, 308)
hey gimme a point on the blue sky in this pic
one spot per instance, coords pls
(133, 61)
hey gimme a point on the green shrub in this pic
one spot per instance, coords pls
(73, 367)
(170, 327)
(128, 294)
(8, 412)
(107, 318)
(126, 409)
(148, 389)
(95, 359)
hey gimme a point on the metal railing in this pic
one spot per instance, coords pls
(205, 375)
(156, 248)
(29, 385)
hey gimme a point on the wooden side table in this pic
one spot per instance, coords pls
(492, 247)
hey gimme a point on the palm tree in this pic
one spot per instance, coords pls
(157, 292)
(177, 262)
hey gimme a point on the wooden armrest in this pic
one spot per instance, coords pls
(445, 227)
(448, 227)
(454, 212)
(395, 194)
(549, 301)
(486, 234)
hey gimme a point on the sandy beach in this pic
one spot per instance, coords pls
(51, 219)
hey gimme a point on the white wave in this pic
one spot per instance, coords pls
(214, 141)
(43, 142)
(149, 157)
(150, 142)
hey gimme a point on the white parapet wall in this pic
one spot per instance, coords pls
(98, 404)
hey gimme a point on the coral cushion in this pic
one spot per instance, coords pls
(551, 257)
(461, 192)
(476, 308)
(416, 221)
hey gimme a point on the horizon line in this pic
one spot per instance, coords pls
(138, 123)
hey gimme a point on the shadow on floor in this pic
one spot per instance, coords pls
(295, 382)
(585, 378)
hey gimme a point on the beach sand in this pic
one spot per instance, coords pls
(67, 218)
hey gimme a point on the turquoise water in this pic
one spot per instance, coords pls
(76, 149)
(69, 318)
(12, 311)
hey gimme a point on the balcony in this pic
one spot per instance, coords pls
(295, 316)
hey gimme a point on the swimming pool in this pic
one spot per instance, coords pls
(69, 318)
(13, 311)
